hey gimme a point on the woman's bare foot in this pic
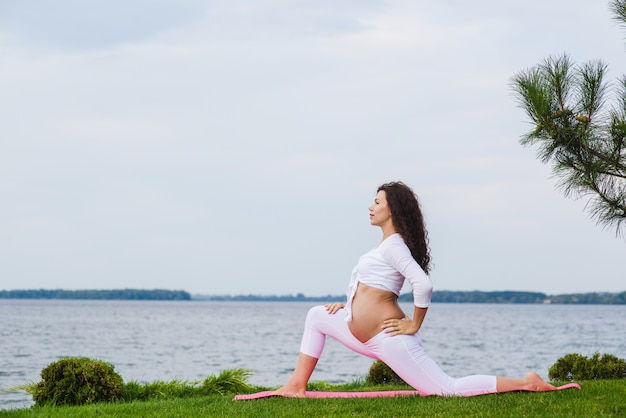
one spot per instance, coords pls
(291, 391)
(296, 385)
(534, 383)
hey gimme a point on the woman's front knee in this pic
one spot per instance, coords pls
(315, 313)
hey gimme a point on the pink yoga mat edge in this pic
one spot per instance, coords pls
(373, 394)
(315, 394)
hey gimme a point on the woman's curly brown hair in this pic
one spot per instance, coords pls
(408, 220)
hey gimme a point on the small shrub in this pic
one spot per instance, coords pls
(134, 391)
(77, 381)
(578, 367)
(228, 381)
(381, 374)
(233, 380)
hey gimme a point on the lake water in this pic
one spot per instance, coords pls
(154, 340)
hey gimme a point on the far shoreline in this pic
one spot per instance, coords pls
(446, 296)
(441, 296)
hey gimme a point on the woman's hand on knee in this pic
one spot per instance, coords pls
(334, 307)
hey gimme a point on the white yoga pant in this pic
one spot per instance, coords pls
(402, 353)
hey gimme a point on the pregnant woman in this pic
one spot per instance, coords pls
(371, 322)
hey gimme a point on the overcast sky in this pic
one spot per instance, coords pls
(233, 147)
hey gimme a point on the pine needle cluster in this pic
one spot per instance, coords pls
(579, 129)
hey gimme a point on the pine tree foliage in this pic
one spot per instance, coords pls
(580, 128)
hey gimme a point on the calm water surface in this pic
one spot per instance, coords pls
(149, 340)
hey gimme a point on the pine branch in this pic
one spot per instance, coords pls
(586, 150)
(618, 8)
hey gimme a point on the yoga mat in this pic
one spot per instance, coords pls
(379, 394)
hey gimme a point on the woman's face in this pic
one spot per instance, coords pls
(380, 214)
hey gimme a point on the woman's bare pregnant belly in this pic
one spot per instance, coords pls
(370, 307)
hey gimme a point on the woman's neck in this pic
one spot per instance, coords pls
(388, 230)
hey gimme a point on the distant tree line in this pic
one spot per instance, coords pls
(445, 296)
(591, 298)
(115, 294)
(271, 298)
(440, 296)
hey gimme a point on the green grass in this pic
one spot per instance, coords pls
(597, 399)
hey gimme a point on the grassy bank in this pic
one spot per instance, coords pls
(598, 398)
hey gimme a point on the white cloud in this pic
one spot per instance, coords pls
(219, 134)
(80, 25)
(304, 162)
(409, 26)
(111, 130)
